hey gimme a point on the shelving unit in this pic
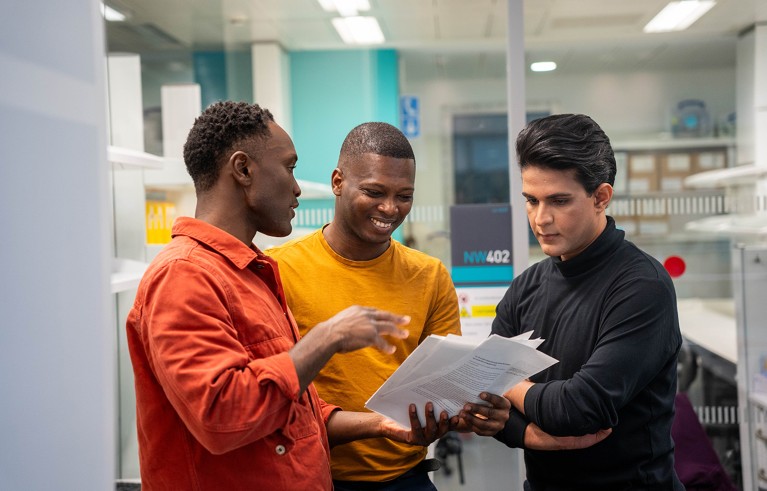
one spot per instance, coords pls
(747, 211)
(125, 158)
(126, 273)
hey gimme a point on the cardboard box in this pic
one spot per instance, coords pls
(643, 173)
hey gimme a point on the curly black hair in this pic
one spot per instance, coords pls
(376, 138)
(216, 133)
(568, 141)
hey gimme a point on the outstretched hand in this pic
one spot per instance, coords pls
(418, 434)
(482, 419)
(358, 327)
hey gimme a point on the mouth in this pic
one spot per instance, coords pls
(382, 225)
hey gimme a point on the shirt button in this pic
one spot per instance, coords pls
(280, 449)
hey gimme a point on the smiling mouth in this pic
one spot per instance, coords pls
(381, 225)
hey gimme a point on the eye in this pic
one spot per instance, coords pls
(406, 197)
(531, 200)
(372, 193)
(560, 201)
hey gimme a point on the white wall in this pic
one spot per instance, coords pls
(635, 105)
(57, 338)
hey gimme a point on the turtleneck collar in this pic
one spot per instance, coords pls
(594, 255)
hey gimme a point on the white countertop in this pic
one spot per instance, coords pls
(711, 324)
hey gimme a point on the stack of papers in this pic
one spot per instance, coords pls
(451, 371)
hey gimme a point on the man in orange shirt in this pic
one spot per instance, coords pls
(223, 380)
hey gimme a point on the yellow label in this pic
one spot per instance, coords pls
(483, 310)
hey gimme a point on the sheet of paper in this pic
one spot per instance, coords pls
(449, 373)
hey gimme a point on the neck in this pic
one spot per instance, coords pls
(351, 248)
(224, 216)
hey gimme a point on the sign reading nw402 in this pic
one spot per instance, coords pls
(496, 256)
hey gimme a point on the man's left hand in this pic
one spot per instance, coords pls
(482, 419)
(418, 434)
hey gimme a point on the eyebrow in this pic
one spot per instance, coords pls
(551, 196)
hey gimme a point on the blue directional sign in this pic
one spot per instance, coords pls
(410, 118)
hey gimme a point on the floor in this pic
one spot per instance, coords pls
(487, 466)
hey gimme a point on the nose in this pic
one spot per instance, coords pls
(388, 206)
(296, 188)
(543, 216)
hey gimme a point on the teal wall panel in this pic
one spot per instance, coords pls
(331, 93)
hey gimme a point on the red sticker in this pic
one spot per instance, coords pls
(675, 266)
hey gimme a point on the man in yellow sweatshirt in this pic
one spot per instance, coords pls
(354, 261)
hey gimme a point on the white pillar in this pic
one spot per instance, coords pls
(271, 81)
(515, 83)
(57, 342)
(126, 129)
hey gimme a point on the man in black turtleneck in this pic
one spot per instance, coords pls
(607, 312)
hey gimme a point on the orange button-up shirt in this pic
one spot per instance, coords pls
(217, 395)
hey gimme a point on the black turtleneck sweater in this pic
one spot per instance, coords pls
(609, 316)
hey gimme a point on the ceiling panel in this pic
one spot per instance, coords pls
(456, 38)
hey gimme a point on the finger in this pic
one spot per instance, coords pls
(384, 345)
(444, 425)
(498, 402)
(387, 328)
(396, 319)
(431, 421)
(415, 422)
(481, 424)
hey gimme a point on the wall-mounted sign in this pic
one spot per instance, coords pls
(480, 240)
(410, 118)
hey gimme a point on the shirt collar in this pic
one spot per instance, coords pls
(221, 241)
(595, 254)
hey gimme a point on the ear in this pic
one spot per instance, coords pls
(336, 179)
(240, 165)
(602, 196)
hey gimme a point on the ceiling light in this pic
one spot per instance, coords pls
(677, 16)
(111, 14)
(543, 66)
(359, 30)
(345, 8)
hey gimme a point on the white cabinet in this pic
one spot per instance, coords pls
(750, 287)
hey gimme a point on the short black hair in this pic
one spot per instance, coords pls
(568, 141)
(216, 132)
(376, 138)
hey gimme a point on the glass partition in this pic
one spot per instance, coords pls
(442, 77)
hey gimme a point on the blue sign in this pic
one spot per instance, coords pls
(409, 116)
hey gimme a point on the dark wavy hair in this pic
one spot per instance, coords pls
(376, 138)
(215, 135)
(568, 141)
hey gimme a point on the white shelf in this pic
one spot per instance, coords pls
(710, 323)
(126, 274)
(121, 157)
(315, 190)
(667, 143)
(752, 225)
(742, 174)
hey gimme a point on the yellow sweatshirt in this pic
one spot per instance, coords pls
(318, 284)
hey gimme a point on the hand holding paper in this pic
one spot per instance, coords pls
(451, 371)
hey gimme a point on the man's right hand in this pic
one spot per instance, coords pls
(358, 327)
(537, 439)
(351, 329)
